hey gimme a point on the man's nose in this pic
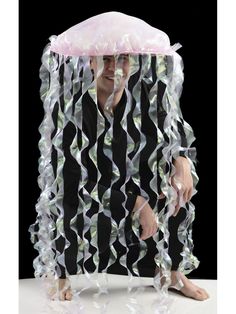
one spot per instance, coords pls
(111, 65)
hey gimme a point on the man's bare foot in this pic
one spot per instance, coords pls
(189, 289)
(64, 289)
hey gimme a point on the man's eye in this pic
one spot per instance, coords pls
(123, 58)
(106, 58)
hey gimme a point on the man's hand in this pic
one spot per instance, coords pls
(182, 181)
(147, 218)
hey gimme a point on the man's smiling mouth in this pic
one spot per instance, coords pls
(110, 78)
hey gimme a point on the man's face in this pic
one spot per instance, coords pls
(105, 82)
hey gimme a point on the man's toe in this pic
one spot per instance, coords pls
(68, 295)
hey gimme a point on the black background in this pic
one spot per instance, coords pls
(193, 25)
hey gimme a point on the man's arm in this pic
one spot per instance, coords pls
(183, 137)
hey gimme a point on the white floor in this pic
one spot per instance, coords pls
(118, 301)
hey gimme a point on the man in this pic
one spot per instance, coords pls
(110, 91)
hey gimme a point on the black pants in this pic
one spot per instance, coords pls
(146, 266)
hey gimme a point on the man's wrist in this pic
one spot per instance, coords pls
(139, 202)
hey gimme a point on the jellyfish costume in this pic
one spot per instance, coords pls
(95, 161)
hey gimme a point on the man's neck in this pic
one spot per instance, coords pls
(102, 98)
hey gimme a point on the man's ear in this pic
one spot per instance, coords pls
(93, 62)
